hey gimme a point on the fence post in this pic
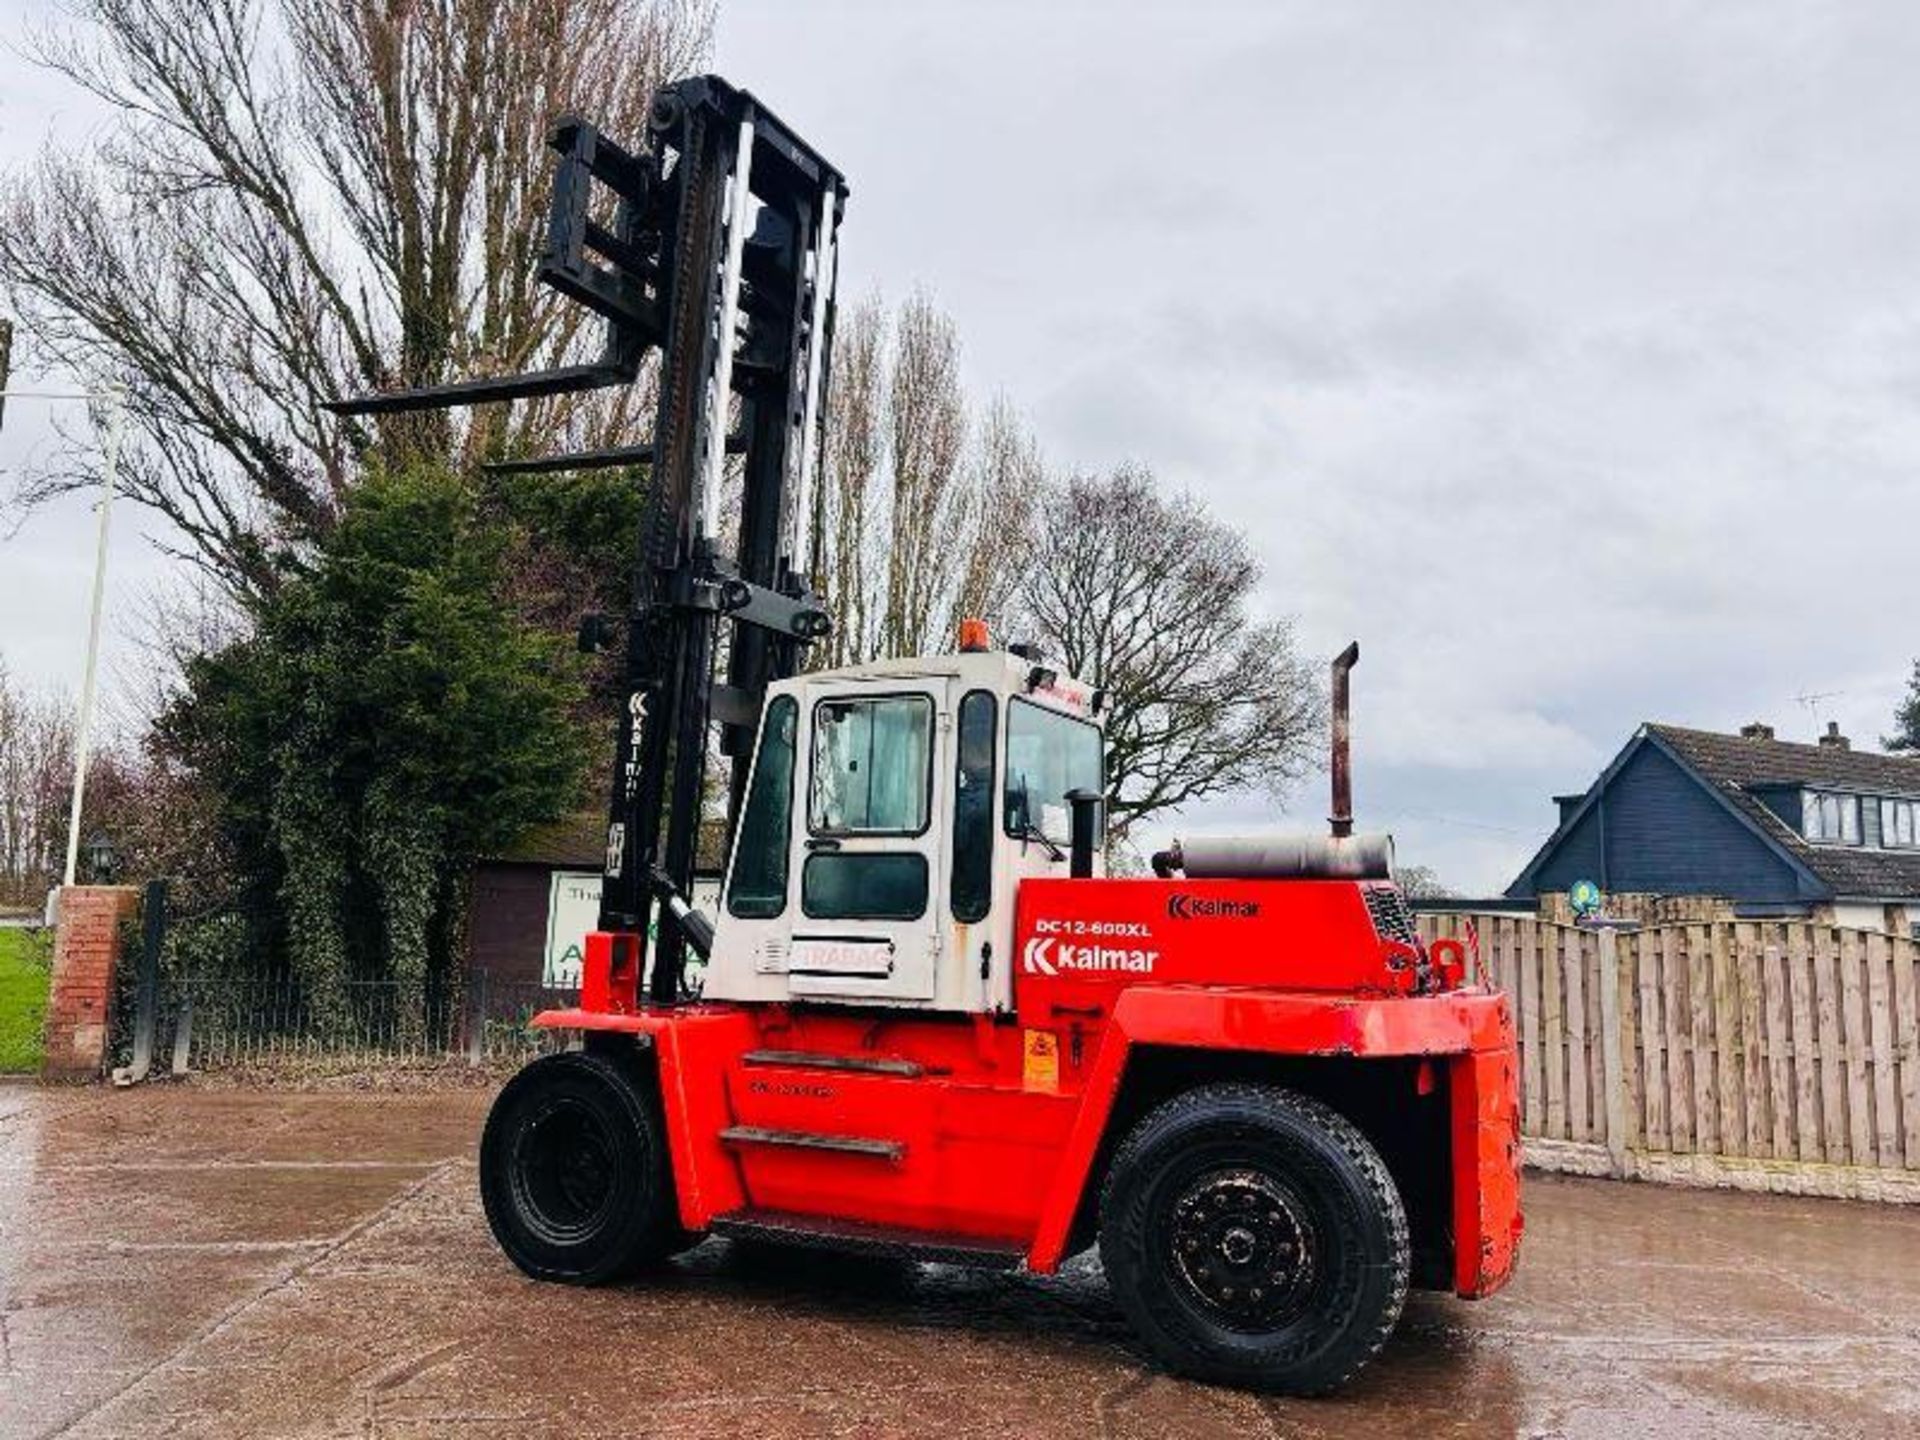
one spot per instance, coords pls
(477, 1020)
(1612, 1062)
(183, 1035)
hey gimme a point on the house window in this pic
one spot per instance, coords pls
(1900, 824)
(1831, 819)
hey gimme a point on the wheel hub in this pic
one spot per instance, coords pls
(565, 1171)
(1242, 1247)
(1237, 1246)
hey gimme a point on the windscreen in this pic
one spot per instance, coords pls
(1048, 754)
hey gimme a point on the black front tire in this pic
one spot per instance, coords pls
(574, 1173)
(1254, 1237)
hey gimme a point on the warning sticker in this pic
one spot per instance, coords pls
(1041, 1071)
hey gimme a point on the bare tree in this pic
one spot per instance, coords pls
(6, 361)
(36, 759)
(1149, 597)
(850, 544)
(303, 198)
(159, 820)
(989, 527)
(924, 514)
(1419, 882)
(927, 417)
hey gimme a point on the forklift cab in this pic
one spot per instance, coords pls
(892, 811)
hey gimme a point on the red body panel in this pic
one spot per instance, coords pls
(1079, 942)
(1486, 1167)
(994, 1132)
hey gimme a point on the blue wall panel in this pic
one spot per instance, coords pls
(1576, 857)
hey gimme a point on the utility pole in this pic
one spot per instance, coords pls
(114, 400)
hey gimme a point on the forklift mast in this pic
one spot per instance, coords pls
(721, 254)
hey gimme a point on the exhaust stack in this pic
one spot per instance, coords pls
(1342, 817)
(1340, 856)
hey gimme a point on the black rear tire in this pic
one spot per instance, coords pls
(1254, 1237)
(574, 1172)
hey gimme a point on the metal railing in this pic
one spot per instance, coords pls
(215, 1023)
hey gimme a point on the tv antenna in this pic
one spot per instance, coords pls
(1810, 701)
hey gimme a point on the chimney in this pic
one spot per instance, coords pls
(1568, 804)
(1833, 739)
(1756, 731)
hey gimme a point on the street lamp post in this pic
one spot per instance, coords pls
(114, 399)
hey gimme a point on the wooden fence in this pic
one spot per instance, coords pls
(1762, 1056)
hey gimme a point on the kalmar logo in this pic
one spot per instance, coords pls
(1044, 955)
(1182, 906)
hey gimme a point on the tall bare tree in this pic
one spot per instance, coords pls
(989, 527)
(1151, 598)
(926, 510)
(850, 544)
(927, 427)
(298, 199)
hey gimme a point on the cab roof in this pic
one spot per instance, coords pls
(999, 670)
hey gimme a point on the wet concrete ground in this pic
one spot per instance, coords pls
(207, 1262)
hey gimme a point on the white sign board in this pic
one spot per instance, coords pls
(573, 909)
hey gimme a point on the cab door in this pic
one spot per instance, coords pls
(867, 853)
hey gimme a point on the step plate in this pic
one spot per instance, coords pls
(859, 1237)
(807, 1140)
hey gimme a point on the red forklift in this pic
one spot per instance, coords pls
(926, 1024)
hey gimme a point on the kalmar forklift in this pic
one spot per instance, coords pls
(929, 1025)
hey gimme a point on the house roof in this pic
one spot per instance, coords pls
(573, 842)
(1743, 761)
(579, 842)
(1736, 766)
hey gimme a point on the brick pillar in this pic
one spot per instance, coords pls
(86, 949)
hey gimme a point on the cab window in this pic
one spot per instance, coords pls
(864, 885)
(872, 761)
(972, 886)
(1048, 754)
(758, 890)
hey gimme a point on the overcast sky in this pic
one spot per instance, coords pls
(1566, 355)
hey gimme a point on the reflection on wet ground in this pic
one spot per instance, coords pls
(217, 1262)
